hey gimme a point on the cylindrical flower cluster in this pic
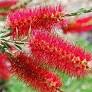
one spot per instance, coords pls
(60, 54)
(43, 18)
(25, 67)
(79, 25)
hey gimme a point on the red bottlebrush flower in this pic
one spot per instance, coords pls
(56, 52)
(43, 80)
(24, 20)
(7, 3)
(79, 25)
(4, 70)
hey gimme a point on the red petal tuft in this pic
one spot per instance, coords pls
(24, 20)
(59, 53)
(34, 75)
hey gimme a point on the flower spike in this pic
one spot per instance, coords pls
(24, 20)
(34, 75)
(79, 25)
(60, 54)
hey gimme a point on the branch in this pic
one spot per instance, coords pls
(12, 41)
(79, 12)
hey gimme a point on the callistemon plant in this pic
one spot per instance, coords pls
(34, 50)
